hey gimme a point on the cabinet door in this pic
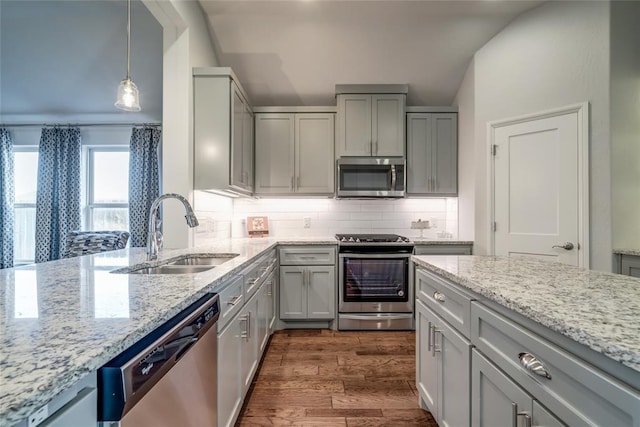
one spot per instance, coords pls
(354, 125)
(271, 285)
(293, 292)
(426, 362)
(249, 344)
(274, 153)
(262, 321)
(453, 353)
(314, 142)
(321, 292)
(495, 397)
(444, 137)
(387, 125)
(419, 153)
(237, 112)
(247, 148)
(229, 372)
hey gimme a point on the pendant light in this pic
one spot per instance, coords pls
(128, 99)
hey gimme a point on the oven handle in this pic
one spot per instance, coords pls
(377, 316)
(361, 255)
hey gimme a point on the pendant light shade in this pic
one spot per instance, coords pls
(128, 98)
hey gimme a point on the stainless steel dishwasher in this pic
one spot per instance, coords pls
(169, 378)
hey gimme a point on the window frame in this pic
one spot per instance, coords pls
(22, 205)
(90, 205)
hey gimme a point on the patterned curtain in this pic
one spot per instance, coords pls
(6, 199)
(58, 197)
(144, 180)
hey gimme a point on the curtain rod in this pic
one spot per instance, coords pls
(11, 125)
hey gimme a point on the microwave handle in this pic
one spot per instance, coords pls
(394, 176)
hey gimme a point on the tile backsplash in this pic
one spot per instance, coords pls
(221, 217)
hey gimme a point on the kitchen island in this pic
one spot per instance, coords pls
(564, 339)
(62, 320)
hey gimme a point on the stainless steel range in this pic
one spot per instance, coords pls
(374, 281)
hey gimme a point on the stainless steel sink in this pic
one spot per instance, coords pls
(204, 259)
(173, 269)
(185, 264)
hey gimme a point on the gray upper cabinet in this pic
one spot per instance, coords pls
(432, 154)
(371, 125)
(294, 153)
(223, 133)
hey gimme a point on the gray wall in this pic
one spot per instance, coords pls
(625, 124)
(552, 56)
(63, 60)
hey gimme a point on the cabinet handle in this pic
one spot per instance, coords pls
(515, 415)
(375, 144)
(297, 182)
(291, 182)
(245, 334)
(534, 365)
(429, 338)
(434, 350)
(394, 177)
(438, 296)
(234, 300)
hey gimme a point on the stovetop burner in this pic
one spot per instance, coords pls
(371, 238)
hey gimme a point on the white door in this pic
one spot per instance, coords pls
(538, 188)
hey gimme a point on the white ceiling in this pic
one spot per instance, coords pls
(295, 52)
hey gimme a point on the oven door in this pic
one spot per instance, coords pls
(375, 283)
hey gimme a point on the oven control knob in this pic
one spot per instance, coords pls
(400, 293)
(351, 239)
(357, 240)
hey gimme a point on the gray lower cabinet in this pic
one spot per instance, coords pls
(443, 370)
(498, 401)
(630, 265)
(432, 154)
(576, 392)
(246, 322)
(307, 292)
(307, 282)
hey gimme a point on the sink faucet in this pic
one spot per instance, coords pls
(154, 239)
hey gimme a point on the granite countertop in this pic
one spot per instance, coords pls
(61, 320)
(634, 252)
(425, 241)
(596, 309)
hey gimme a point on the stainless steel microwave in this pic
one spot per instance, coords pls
(371, 177)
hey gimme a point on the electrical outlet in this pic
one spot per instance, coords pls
(307, 222)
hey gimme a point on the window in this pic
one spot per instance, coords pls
(107, 188)
(25, 160)
(106, 180)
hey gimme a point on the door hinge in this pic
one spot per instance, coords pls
(494, 149)
(495, 226)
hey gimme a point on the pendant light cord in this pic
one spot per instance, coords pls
(128, 36)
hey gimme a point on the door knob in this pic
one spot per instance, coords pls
(567, 246)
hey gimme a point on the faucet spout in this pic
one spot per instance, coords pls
(154, 237)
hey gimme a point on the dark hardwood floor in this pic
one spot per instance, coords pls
(336, 378)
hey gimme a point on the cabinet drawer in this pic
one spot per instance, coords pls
(442, 250)
(452, 305)
(257, 273)
(576, 392)
(308, 255)
(231, 301)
